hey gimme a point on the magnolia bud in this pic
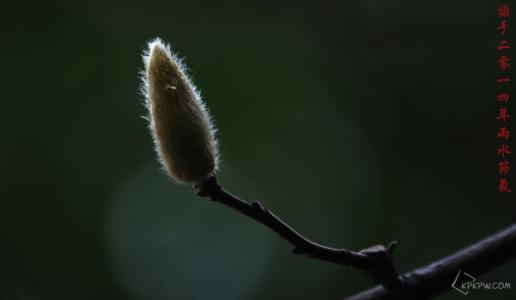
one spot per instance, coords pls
(183, 134)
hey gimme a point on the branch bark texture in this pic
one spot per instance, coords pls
(375, 260)
(438, 277)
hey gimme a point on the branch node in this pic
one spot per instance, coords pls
(258, 206)
(205, 188)
(381, 266)
(392, 245)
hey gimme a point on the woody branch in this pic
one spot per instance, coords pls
(437, 277)
(376, 260)
(186, 144)
(185, 141)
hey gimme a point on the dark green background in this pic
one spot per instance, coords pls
(359, 122)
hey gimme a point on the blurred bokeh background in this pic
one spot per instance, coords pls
(359, 122)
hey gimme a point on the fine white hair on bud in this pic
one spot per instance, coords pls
(183, 133)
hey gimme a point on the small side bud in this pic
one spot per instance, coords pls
(183, 133)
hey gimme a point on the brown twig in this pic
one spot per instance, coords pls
(376, 260)
(438, 277)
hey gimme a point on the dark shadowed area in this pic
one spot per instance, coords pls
(358, 122)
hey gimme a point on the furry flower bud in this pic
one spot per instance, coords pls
(183, 133)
